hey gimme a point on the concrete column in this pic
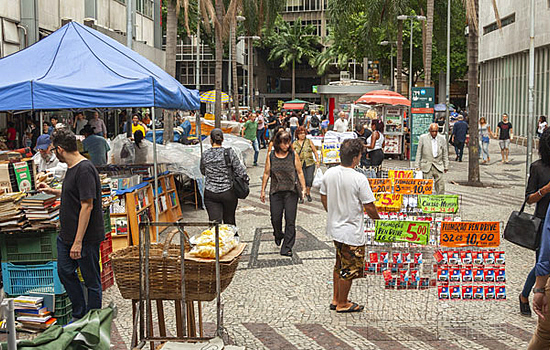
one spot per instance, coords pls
(157, 26)
(29, 19)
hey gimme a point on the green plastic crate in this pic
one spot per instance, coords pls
(29, 247)
(62, 302)
(107, 221)
(64, 318)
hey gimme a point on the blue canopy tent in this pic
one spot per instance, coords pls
(79, 67)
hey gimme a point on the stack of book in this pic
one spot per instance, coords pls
(42, 210)
(12, 218)
(106, 197)
(31, 313)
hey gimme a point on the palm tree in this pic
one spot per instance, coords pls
(292, 44)
(172, 11)
(429, 41)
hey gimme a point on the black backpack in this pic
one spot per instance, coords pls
(314, 122)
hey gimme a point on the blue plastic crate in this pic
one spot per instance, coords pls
(19, 279)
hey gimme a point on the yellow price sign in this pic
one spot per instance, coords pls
(388, 201)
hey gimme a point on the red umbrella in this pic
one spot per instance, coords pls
(383, 97)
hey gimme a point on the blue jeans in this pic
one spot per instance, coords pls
(256, 146)
(260, 136)
(89, 268)
(292, 131)
(484, 150)
(531, 278)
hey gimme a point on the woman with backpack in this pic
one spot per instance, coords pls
(308, 157)
(287, 184)
(314, 123)
(216, 166)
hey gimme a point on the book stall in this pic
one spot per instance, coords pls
(423, 250)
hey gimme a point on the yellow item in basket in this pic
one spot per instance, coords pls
(205, 244)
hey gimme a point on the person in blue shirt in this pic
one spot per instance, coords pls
(96, 146)
(460, 130)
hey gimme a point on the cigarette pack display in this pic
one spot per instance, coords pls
(454, 274)
(489, 258)
(456, 293)
(390, 284)
(467, 274)
(500, 274)
(454, 257)
(397, 258)
(383, 267)
(443, 292)
(370, 268)
(489, 274)
(414, 276)
(404, 275)
(443, 274)
(406, 258)
(387, 275)
(373, 257)
(479, 274)
(478, 292)
(424, 283)
(418, 258)
(501, 292)
(467, 293)
(489, 292)
(500, 258)
(384, 257)
(466, 257)
(477, 258)
(438, 256)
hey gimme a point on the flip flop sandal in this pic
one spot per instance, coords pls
(353, 308)
(333, 307)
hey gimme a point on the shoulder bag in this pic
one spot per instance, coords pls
(240, 184)
(523, 229)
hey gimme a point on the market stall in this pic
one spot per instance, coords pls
(391, 108)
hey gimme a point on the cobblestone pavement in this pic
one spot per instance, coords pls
(276, 302)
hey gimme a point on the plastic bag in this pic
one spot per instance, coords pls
(205, 244)
(318, 179)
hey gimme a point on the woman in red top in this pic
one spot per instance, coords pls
(11, 135)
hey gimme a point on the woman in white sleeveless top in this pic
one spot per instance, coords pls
(375, 143)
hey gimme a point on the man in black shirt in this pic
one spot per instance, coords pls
(505, 135)
(81, 222)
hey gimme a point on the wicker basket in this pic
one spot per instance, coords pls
(165, 274)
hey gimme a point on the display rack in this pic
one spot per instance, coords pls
(169, 207)
(137, 203)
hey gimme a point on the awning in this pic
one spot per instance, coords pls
(295, 105)
(383, 97)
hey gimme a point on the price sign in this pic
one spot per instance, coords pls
(402, 231)
(470, 234)
(400, 174)
(438, 203)
(413, 186)
(331, 152)
(380, 185)
(388, 201)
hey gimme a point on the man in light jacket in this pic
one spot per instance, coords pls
(432, 157)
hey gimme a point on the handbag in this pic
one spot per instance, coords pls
(241, 185)
(523, 229)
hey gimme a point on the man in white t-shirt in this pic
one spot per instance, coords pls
(341, 125)
(345, 194)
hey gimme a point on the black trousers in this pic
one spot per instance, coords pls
(284, 202)
(376, 157)
(459, 149)
(221, 206)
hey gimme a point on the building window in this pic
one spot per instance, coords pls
(145, 7)
(504, 21)
(316, 23)
(304, 5)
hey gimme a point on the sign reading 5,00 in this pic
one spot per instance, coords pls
(402, 231)
(388, 201)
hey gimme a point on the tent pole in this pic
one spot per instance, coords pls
(41, 123)
(155, 169)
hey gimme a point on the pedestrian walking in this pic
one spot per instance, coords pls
(250, 132)
(309, 158)
(432, 157)
(505, 136)
(460, 130)
(294, 123)
(79, 122)
(341, 125)
(543, 125)
(287, 184)
(99, 125)
(314, 123)
(216, 165)
(141, 150)
(375, 143)
(260, 120)
(538, 187)
(11, 135)
(485, 134)
(363, 134)
(346, 195)
(82, 227)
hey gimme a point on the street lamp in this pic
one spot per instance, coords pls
(230, 66)
(249, 65)
(412, 18)
(392, 44)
